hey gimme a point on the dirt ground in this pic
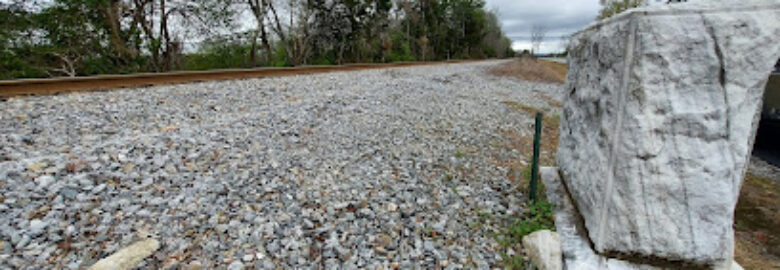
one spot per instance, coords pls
(757, 223)
(531, 69)
(757, 215)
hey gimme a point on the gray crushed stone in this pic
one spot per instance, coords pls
(362, 169)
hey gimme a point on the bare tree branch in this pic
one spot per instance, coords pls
(537, 37)
(67, 66)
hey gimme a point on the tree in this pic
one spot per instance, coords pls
(194, 17)
(537, 37)
(259, 9)
(44, 38)
(613, 7)
(493, 43)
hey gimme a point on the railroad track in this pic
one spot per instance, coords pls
(51, 86)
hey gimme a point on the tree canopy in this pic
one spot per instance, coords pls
(610, 8)
(87, 37)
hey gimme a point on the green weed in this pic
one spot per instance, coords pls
(538, 217)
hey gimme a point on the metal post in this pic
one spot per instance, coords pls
(535, 160)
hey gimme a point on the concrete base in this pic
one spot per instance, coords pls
(576, 247)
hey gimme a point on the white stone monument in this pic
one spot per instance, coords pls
(656, 131)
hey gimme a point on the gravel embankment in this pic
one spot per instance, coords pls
(392, 168)
(765, 169)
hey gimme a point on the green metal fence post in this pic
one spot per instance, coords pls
(535, 161)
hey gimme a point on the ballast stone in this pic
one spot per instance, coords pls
(658, 123)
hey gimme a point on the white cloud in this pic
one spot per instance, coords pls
(552, 46)
(560, 17)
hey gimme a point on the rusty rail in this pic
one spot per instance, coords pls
(51, 86)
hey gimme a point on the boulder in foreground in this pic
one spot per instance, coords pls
(658, 124)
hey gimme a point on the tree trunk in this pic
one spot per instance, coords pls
(266, 45)
(111, 15)
(259, 11)
(253, 51)
(165, 38)
(277, 27)
(146, 25)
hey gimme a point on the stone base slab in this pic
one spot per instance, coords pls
(576, 247)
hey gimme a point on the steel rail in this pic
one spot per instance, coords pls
(51, 86)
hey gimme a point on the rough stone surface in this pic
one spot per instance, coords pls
(345, 170)
(576, 247)
(544, 249)
(658, 122)
(129, 257)
(236, 266)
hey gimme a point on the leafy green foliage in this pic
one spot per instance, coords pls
(403, 53)
(280, 57)
(524, 187)
(613, 7)
(516, 262)
(538, 217)
(218, 55)
(88, 37)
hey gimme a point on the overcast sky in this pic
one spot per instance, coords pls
(560, 18)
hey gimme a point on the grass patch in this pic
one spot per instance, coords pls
(484, 214)
(530, 69)
(525, 186)
(516, 262)
(538, 217)
(522, 107)
(757, 224)
(550, 127)
(552, 101)
(539, 214)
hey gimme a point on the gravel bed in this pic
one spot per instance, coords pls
(392, 168)
(765, 169)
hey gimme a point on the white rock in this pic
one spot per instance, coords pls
(128, 257)
(392, 207)
(37, 226)
(236, 265)
(658, 124)
(574, 243)
(44, 181)
(23, 242)
(194, 265)
(544, 249)
(510, 252)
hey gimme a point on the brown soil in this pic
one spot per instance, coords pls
(520, 170)
(549, 140)
(757, 224)
(531, 69)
